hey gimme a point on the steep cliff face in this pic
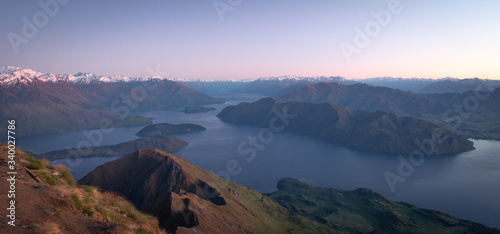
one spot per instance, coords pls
(186, 198)
(372, 131)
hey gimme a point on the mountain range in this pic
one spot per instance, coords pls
(477, 111)
(277, 86)
(458, 86)
(281, 85)
(44, 102)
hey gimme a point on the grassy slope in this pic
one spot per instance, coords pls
(365, 211)
(269, 216)
(245, 207)
(55, 204)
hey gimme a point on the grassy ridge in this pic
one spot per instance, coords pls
(365, 211)
(52, 190)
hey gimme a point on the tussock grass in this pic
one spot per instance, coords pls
(49, 178)
(88, 200)
(37, 164)
(65, 174)
(77, 202)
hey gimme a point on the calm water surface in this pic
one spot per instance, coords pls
(465, 185)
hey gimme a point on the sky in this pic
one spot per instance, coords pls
(248, 39)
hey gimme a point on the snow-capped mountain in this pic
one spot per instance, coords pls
(10, 75)
(303, 78)
(45, 103)
(280, 85)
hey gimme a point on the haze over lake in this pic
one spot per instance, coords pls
(470, 179)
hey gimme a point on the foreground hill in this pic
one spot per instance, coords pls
(188, 199)
(372, 131)
(366, 211)
(165, 143)
(47, 200)
(44, 102)
(473, 113)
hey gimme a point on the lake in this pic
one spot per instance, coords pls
(466, 185)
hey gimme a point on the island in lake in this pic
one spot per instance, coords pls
(167, 144)
(197, 109)
(163, 129)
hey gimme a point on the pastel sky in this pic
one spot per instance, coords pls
(189, 39)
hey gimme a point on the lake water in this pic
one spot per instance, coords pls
(465, 185)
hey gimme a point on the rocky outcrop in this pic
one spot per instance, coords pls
(186, 198)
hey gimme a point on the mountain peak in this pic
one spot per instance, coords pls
(13, 70)
(186, 197)
(10, 75)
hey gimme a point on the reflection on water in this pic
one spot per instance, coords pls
(465, 185)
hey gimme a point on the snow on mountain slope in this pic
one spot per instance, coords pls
(302, 78)
(11, 75)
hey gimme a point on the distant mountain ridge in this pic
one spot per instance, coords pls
(482, 121)
(458, 86)
(10, 75)
(404, 84)
(368, 98)
(277, 86)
